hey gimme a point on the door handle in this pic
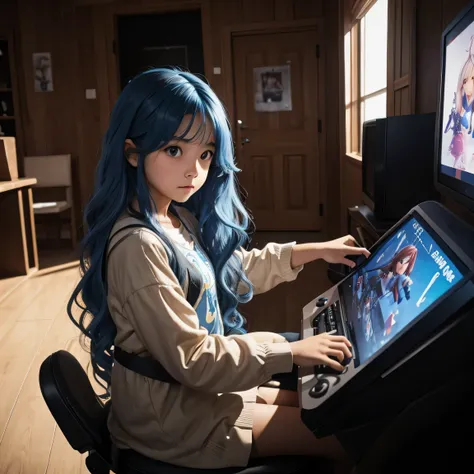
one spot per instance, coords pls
(245, 141)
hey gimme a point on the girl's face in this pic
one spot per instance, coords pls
(468, 86)
(402, 265)
(177, 171)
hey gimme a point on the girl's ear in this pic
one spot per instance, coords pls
(132, 158)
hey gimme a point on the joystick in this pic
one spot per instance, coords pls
(320, 389)
(321, 302)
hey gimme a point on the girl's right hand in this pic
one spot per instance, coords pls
(315, 350)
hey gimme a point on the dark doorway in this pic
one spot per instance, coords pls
(169, 39)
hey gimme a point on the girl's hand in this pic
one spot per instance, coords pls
(335, 251)
(315, 350)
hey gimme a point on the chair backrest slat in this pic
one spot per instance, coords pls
(49, 170)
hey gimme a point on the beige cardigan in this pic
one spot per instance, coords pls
(206, 420)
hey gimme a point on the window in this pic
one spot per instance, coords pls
(365, 58)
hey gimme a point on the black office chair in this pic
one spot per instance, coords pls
(82, 417)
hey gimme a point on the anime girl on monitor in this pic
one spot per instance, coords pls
(460, 118)
(380, 291)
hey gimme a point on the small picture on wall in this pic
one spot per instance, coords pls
(272, 89)
(43, 72)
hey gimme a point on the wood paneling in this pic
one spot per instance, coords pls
(303, 9)
(260, 11)
(79, 35)
(401, 71)
(283, 10)
(261, 182)
(428, 58)
(49, 120)
(333, 106)
(8, 12)
(293, 132)
(88, 116)
(294, 171)
(351, 182)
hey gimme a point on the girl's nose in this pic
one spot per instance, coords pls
(192, 169)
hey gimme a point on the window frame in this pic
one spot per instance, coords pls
(353, 105)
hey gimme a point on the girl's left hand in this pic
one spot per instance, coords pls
(336, 251)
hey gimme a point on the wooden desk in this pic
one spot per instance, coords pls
(18, 251)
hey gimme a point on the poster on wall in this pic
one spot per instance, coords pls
(43, 72)
(272, 86)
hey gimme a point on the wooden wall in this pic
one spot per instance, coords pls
(77, 32)
(401, 67)
(351, 186)
(79, 35)
(8, 13)
(335, 116)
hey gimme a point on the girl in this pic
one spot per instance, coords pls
(381, 290)
(395, 276)
(167, 162)
(460, 118)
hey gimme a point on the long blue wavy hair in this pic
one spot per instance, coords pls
(149, 111)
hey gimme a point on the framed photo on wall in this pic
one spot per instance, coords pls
(272, 89)
(43, 72)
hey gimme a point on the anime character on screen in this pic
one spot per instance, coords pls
(380, 291)
(460, 118)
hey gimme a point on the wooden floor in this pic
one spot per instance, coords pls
(34, 324)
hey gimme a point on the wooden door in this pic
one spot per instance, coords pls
(278, 151)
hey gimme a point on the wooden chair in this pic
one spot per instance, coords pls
(53, 194)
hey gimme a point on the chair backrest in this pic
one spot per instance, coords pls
(79, 413)
(8, 159)
(50, 170)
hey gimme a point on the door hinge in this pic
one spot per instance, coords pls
(320, 126)
(317, 51)
(321, 209)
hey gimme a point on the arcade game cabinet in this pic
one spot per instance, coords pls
(408, 310)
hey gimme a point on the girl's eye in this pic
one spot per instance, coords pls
(207, 155)
(173, 151)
